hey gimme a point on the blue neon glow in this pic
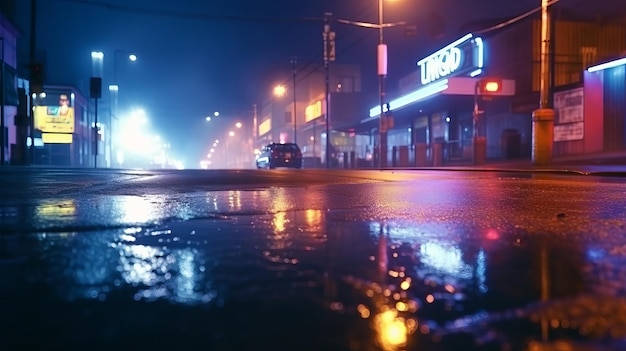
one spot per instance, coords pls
(476, 72)
(479, 46)
(607, 65)
(414, 96)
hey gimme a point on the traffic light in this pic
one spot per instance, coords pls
(36, 78)
(488, 86)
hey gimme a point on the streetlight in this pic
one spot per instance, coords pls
(131, 57)
(382, 72)
(215, 114)
(295, 113)
(279, 90)
(95, 91)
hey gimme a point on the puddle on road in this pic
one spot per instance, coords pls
(394, 285)
(214, 261)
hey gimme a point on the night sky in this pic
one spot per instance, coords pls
(200, 56)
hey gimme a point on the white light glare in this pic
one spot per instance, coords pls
(607, 65)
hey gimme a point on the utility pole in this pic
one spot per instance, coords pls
(95, 92)
(329, 55)
(295, 113)
(31, 118)
(543, 118)
(382, 72)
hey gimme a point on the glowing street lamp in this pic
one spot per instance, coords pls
(131, 57)
(215, 114)
(280, 90)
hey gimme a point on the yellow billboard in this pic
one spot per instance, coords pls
(56, 138)
(54, 119)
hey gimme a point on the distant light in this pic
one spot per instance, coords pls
(132, 57)
(279, 90)
(492, 86)
(208, 118)
(231, 133)
(97, 55)
(113, 87)
(607, 65)
(216, 113)
(448, 119)
(238, 125)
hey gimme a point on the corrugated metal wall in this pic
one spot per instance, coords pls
(575, 46)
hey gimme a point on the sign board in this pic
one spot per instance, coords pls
(56, 138)
(461, 57)
(54, 119)
(569, 131)
(313, 111)
(569, 115)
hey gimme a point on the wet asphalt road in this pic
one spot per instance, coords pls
(311, 260)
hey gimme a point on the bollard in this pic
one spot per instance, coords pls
(543, 136)
(437, 154)
(480, 150)
(403, 156)
(420, 155)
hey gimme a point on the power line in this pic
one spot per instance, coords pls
(188, 15)
(514, 19)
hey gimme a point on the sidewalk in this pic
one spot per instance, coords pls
(610, 164)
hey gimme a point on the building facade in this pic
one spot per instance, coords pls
(63, 129)
(344, 104)
(8, 88)
(437, 113)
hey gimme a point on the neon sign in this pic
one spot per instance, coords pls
(456, 58)
(442, 65)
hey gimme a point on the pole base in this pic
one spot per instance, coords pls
(543, 136)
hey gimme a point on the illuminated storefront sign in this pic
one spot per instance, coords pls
(265, 126)
(56, 138)
(54, 119)
(461, 57)
(313, 111)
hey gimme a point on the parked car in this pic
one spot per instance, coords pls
(275, 155)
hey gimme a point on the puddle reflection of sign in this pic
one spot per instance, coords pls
(54, 119)
(569, 118)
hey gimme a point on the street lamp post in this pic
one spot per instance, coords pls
(95, 91)
(382, 72)
(543, 117)
(295, 111)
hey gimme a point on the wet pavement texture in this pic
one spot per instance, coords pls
(311, 260)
